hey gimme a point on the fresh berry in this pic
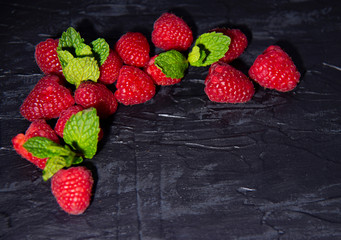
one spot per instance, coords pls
(226, 84)
(97, 95)
(47, 58)
(158, 76)
(134, 86)
(38, 128)
(47, 99)
(72, 189)
(237, 45)
(110, 69)
(133, 48)
(171, 32)
(274, 69)
(64, 117)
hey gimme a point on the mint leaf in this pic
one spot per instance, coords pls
(66, 158)
(77, 59)
(81, 132)
(52, 166)
(42, 147)
(64, 57)
(70, 39)
(194, 55)
(101, 50)
(83, 50)
(209, 48)
(81, 69)
(172, 63)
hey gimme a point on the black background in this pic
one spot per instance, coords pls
(180, 166)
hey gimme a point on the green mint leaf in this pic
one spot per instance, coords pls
(172, 63)
(81, 132)
(52, 166)
(70, 39)
(101, 50)
(83, 50)
(42, 147)
(64, 57)
(66, 158)
(194, 55)
(209, 48)
(197, 56)
(81, 69)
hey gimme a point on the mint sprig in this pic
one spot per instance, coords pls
(101, 50)
(79, 69)
(209, 48)
(77, 58)
(172, 63)
(81, 138)
(81, 132)
(42, 147)
(58, 156)
(70, 39)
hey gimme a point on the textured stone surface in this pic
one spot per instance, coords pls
(180, 166)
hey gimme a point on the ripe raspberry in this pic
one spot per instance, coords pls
(72, 189)
(237, 46)
(226, 84)
(134, 86)
(47, 99)
(47, 58)
(274, 69)
(97, 95)
(171, 32)
(64, 117)
(110, 68)
(133, 48)
(158, 76)
(38, 128)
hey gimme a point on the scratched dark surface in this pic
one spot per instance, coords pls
(180, 166)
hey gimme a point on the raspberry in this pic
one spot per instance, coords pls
(110, 68)
(274, 69)
(237, 46)
(134, 86)
(72, 189)
(158, 76)
(226, 84)
(47, 99)
(97, 95)
(171, 32)
(64, 117)
(133, 48)
(38, 128)
(47, 58)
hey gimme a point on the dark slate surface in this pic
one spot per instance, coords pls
(180, 166)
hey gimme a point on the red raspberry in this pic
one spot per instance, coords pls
(47, 58)
(274, 69)
(226, 84)
(64, 117)
(72, 189)
(38, 128)
(158, 76)
(97, 95)
(133, 48)
(237, 46)
(110, 68)
(171, 32)
(47, 99)
(134, 86)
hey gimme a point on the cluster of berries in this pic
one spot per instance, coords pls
(129, 67)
